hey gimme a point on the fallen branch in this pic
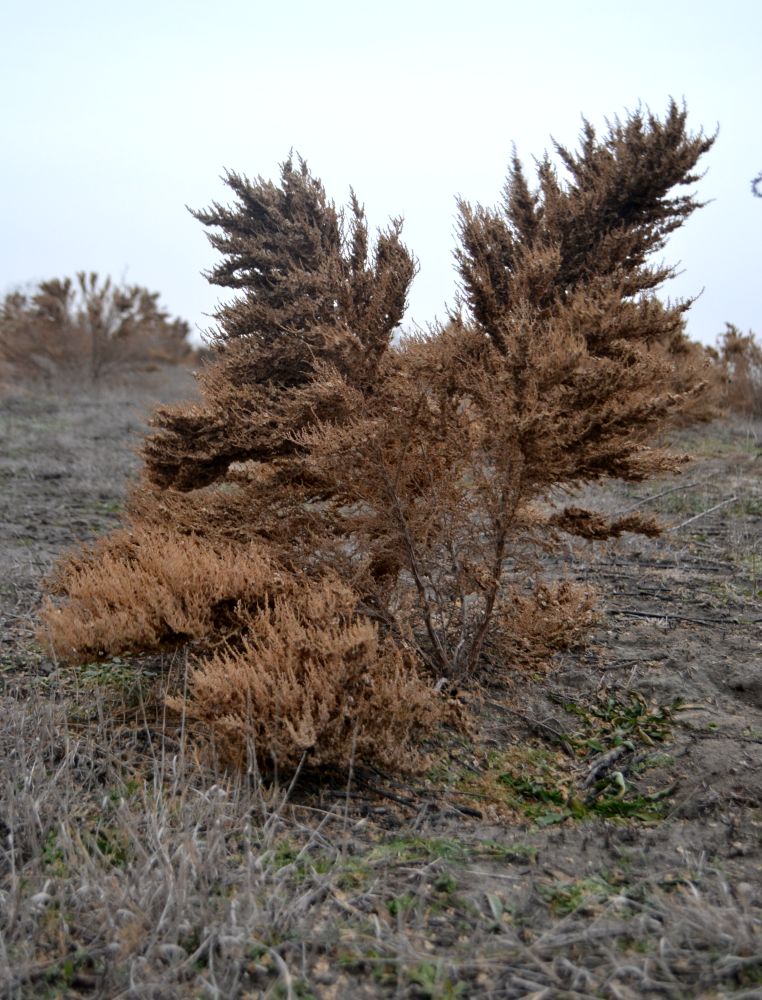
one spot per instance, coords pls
(603, 763)
(676, 527)
(664, 493)
(422, 799)
(677, 618)
(541, 728)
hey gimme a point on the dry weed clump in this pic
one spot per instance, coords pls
(290, 668)
(555, 616)
(86, 328)
(138, 590)
(311, 677)
(418, 477)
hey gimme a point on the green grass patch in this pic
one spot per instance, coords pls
(114, 672)
(585, 893)
(620, 737)
(425, 849)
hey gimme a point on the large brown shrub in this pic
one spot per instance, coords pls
(410, 486)
(561, 376)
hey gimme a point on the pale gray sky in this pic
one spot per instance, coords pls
(115, 116)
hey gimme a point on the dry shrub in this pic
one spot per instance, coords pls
(740, 369)
(140, 590)
(557, 615)
(410, 482)
(435, 476)
(86, 328)
(310, 676)
(696, 379)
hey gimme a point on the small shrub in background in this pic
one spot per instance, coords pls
(398, 491)
(86, 328)
(739, 356)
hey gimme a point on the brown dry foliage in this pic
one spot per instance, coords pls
(309, 676)
(143, 589)
(696, 379)
(739, 359)
(593, 525)
(87, 327)
(420, 475)
(282, 663)
(314, 287)
(532, 626)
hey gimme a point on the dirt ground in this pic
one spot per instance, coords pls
(598, 835)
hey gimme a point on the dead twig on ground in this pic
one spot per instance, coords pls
(535, 725)
(664, 493)
(709, 510)
(631, 613)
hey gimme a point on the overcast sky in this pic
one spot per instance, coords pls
(115, 116)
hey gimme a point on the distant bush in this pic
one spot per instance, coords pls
(401, 491)
(739, 356)
(86, 327)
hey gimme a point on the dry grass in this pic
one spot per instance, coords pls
(129, 871)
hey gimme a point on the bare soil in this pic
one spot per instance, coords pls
(599, 834)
